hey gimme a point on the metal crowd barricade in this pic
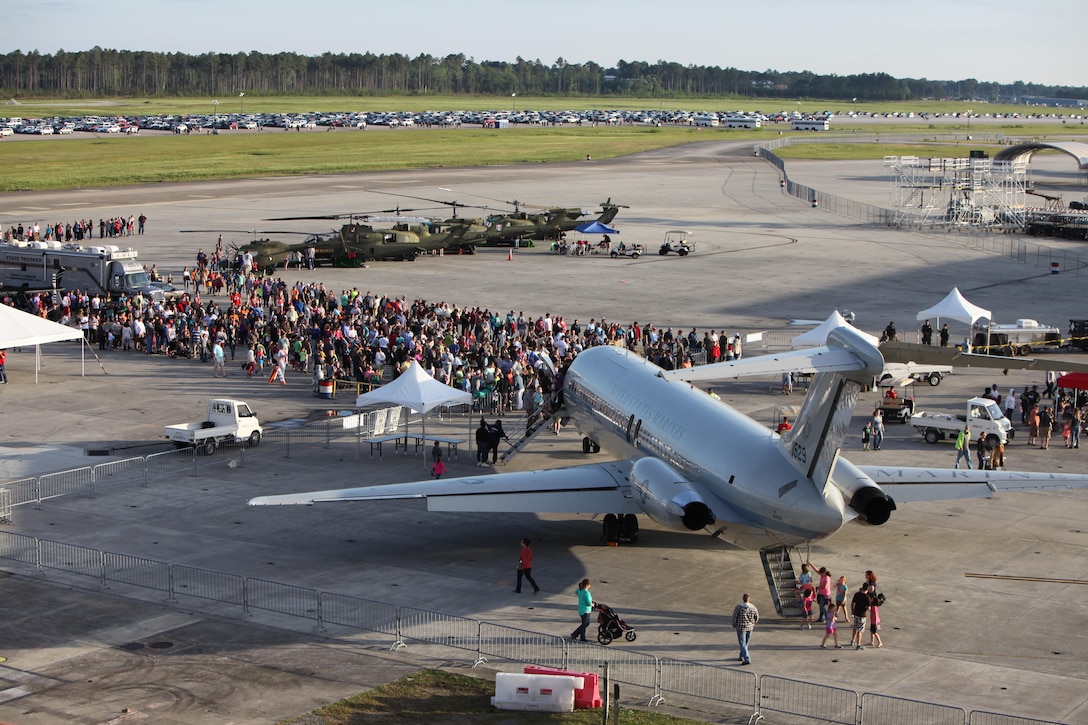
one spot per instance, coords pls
(5, 506)
(21, 491)
(217, 586)
(519, 645)
(359, 613)
(626, 666)
(116, 473)
(62, 483)
(71, 558)
(136, 571)
(980, 717)
(709, 682)
(289, 599)
(806, 699)
(169, 463)
(447, 630)
(19, 547)
(884, 708)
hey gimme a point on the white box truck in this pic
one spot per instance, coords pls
(47, 266)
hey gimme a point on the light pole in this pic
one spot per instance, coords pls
(241, 104)
(969, 123)
(513, 102)
(215, 115)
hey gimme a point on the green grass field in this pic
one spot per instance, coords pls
(101, 160)
(111, 160)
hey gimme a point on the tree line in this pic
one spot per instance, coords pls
(105, 72)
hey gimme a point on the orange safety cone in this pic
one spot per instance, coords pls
(510, 255)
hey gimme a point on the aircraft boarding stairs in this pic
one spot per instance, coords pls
(539, 422)
(782, 580)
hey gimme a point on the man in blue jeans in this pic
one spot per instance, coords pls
(745, 617)
(963, 446)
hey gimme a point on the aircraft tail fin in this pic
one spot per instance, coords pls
(813, 444)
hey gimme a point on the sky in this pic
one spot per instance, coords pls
(988, 40)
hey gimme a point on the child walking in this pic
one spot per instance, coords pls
(866, 436)
(830, 630)
(808, 595)
(438, 468)
(841, 589)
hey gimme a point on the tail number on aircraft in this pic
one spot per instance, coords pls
(799, 452)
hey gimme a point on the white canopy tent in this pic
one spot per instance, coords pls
(416, 390)
(818, 335)
(956, 307)
(21, 329)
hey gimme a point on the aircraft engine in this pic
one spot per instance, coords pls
(874, 505)
(862, 494)
(667, 497)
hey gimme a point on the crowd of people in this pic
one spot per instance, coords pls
(76, 231)
(813, 592)
(360, 336)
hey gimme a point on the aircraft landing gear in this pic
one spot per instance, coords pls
(590, 446)
(620, 529)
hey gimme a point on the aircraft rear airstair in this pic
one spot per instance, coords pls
(782, 580)
(538, 423)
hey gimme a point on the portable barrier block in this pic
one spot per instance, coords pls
(537, 693)
(586, 697)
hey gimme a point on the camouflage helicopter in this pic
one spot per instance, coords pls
(547, 224)
(506, 229)
(267, 254)
(356, 243)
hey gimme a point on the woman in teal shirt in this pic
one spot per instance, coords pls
(585, 607)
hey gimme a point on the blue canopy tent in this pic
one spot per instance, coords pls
(595, 227)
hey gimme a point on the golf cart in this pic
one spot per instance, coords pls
(677, 241)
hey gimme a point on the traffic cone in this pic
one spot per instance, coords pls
(509, 255)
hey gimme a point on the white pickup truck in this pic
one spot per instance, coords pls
(984, 416)
(932, 374)
(228, 421)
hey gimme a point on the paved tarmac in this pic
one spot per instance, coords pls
(763, 259)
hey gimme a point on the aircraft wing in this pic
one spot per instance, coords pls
(812, 360)
(905, 352)
(908, 485)
(590, 489)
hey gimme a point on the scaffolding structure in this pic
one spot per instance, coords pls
(958, 192)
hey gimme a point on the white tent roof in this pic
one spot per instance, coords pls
(818, 335)
(414, 389)
(21, 329)
(956, 307)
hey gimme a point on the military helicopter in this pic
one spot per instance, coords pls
(356, 243)
(548, 224)
(266, 254)
(505, 229)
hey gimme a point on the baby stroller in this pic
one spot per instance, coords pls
(610, 626)
(178, 348)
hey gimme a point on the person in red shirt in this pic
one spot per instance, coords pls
(784, 426)
(525, 567)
